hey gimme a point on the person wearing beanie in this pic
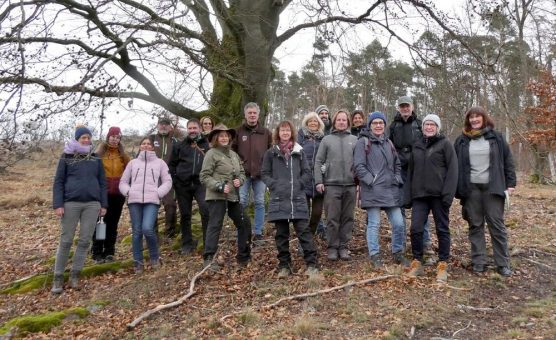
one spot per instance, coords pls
(378, 168)
(324, 114)
(163, 141)
(185, 165)
(486, 179)
(405, 130)
(79, 198)
(334, 178)
(114, 160)
(432, 179)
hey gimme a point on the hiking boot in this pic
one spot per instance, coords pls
(375, 261)
(139, 268)
(284, 272)
(109, 259)
(344, 254)
(399, 258)
(57, 284)
(504, 271)
(74, 280)
(155, 264)
(258, 240)
(98, 259)
(311, 271)
(332, 254)
(479, 268)
(442, 272)
(416, 269)
(213, 266)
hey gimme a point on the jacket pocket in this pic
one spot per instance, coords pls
(274, 205)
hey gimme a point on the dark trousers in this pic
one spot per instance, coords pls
(304, 236)
(440, 213)
(217, 210)
(481, 206)
(315, 204)
(170, 211)
(103, 248)
(185, 194)
(339, 204)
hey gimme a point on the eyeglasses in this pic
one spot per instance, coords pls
(377, 123)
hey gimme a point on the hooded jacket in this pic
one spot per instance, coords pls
(285, 179)
(433, 170)
(334, 161)
(186, 160)
(378, 168)
(141, 178)
(501, 166)
(221, 165)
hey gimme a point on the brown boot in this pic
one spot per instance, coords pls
(416, 269)
(442, 272)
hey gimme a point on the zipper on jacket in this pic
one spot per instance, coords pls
(291, 181)
(144, 177)
(194, 161)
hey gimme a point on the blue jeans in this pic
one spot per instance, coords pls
(143, 220)
(259, 189)
(398, 229)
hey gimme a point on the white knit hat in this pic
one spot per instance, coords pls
(433, 118)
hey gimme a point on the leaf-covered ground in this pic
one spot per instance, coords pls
(231, 302)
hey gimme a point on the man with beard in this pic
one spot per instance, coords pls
(185, 165)
(163, 142)
(324, 115)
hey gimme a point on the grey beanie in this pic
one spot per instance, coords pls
(433, 118)
(322, 108)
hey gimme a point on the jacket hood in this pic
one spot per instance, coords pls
(147, 155)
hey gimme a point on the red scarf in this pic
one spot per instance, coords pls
(286, 149)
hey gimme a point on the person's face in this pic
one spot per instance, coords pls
(285, 133)
(223, 138)
(193, 130)
(377, 127)
(146, 145)
(358, 120)
(85, 139)
(323, 115)
(405, 110)
(429, 128)
(313, 124)
(341, 122)
(164, 128)
(114, 140)
(207, 125)
(251, 116)
(476, 121)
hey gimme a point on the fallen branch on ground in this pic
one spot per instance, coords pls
(478, 309)
(315, 293)
(535, 250)
(540, 264)
(172, 304)
(459, 330)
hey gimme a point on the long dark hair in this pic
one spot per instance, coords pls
(477, 110)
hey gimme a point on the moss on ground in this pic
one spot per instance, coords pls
(22, 325)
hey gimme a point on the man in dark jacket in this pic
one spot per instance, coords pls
(163, 142)
(404, 131)
(324, 115)
(251, 142)
(185, 165)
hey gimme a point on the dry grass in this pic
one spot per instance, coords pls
(306, 326)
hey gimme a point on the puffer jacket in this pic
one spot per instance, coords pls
(285, 180)
(310, 147)
(186, 160)
(141, 178)
(378, 168)
(433, 170)
(221, 164)
(334, 161)
(114, 160)
(79, 178)
(501, 167)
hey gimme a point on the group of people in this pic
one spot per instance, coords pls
(329, 164)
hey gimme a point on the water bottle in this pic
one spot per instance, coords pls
(100, 232)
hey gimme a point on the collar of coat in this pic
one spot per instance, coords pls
(296, 149)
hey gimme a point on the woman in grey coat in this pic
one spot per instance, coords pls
(378, 168)
(284, 171)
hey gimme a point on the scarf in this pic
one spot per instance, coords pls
(74, 147)
(474, 133)
(310, 134)
(286, 149)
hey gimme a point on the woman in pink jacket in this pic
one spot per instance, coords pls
(144, 182)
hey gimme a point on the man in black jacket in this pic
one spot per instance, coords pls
(185, 165)
(404, 132)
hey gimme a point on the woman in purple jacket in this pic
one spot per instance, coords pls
(144, 182)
